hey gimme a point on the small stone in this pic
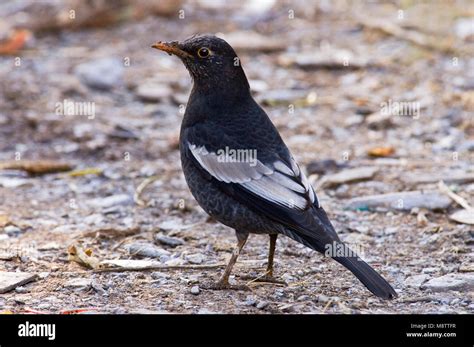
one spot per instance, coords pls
(112, 200)
(379, 121)
(283, 97)
(11, 280)
(430, 270)
(12, 230)
(206, 311)
(250, 301)
(323, 298)
(464, 28)
(168, 240)
(348, 176)
(173, 225)
(12, 182)
(43, 306)
(159, 275)
(416, 281)
(195, 290)
(405, 201)
(354, 120)
(321, 167)
(78, 283)
(262, 304)
(98, 288)
(104, 73)
(148, 250)
(455, 301)
(327, 58)
(454, 281)
(303, 298)
(22, 290)
(197, 258)
(153, 92)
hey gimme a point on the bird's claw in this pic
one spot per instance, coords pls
(263, 279)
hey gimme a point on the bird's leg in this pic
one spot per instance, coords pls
(268, 275)
(271, 253)
(223, 282)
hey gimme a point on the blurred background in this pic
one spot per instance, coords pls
(371, 97)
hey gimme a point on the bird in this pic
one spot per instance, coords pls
(239, 169)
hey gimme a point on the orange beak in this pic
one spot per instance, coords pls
(171, 48)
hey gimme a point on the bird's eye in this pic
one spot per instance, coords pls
(204, 52)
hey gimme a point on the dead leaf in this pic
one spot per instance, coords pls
(83, 257)
(85, 172)
(4, 220)
(36, 167)
(14, 43)
(381, 151)
(463, 216)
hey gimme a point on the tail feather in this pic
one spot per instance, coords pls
(368, 276)
(363, 271)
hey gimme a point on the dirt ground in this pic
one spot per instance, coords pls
(324, 74)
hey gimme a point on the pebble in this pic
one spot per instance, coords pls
(261, 305)
(320, 167)
(323, 298)
(416, 281)
(283, 97)
(112, 200)
(12, 182)
(348, 176)
(330, 58)
(454, 281)
(12, 230)
(464, 28)
(22, 290)
(195, 290)
(159, 275)
(250, 301)
(78, 283)
(104, 73)
(148, 250)
(11, 280)
(197, 258)
(153, 92)
(173, 225)
(405, 201)
(169, 240)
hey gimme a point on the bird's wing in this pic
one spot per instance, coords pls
(274, 186)
(277, 182)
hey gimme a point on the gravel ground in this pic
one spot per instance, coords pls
(325, 78)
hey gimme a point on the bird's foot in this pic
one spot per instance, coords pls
(262, 279)
(225, 285)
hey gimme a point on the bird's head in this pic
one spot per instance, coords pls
(211, 61)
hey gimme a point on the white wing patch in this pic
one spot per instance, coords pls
(277, 183)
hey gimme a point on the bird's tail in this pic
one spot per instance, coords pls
(340, 252)
(368, 276)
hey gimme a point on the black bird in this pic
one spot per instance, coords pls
(239, 169)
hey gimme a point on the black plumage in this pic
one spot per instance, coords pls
(263, 192)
